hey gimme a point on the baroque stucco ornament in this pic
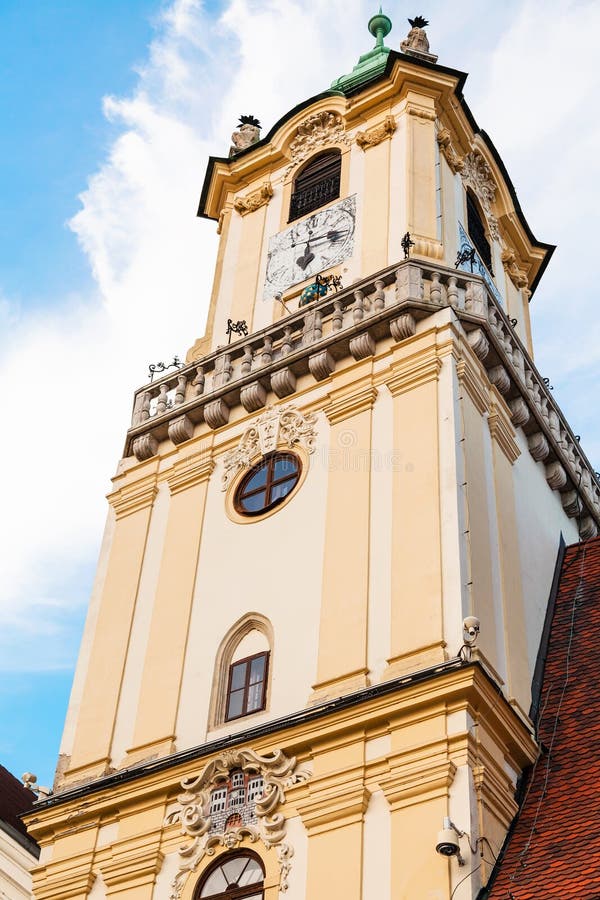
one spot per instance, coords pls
(377, 134)
(255, 200)
(278, 771)
(277, 423)
(477, 175)
(315, 132)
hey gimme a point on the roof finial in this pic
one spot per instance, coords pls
(417, 42)
(380, 26)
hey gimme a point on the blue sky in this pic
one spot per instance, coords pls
(109, 111)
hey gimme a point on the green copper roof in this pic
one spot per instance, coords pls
(372, 63)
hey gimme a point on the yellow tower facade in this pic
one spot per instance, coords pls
(333, 532)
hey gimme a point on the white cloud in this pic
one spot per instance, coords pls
(69, 374)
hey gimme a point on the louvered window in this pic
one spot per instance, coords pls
(317, 184)
(477, 233)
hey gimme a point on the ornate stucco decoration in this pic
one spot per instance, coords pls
(255, 200)
(454, 160)
(316, 131)
(277, 423)
(517, 275)
(477, 175)
(377, 134)
(276, 772)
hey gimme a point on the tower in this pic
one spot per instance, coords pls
(357, 457)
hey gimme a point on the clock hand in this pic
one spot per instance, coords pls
(332, 236)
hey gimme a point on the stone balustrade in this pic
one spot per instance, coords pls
(350, 323)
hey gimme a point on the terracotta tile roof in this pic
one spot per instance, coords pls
(553, 849)
(14, 800)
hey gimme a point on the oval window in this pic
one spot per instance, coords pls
(267, 484)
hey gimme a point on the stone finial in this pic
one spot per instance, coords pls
(246, 134)
(416, 42)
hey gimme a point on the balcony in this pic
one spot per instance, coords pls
(349, 324)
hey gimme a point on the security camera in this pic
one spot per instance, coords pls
(471, 626)
(447, 841)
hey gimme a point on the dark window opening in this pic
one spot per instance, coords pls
(247, 688)
(267, 484)
(477, 233)
(233, 878)
(317, 184)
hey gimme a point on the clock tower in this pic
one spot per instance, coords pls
(310, 655)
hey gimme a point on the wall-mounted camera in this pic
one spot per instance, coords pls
(447, 841)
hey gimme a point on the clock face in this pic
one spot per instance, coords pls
(310, 246)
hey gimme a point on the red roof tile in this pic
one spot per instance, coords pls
(553, 849)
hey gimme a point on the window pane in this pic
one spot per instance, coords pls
(258, 479)
(279, 491)
(238, 676)
(252, 874)
(233, 868)
(255, 696)
(254, 503)
(283, 468)
(235, 705)
(257, 669)
(214, 884)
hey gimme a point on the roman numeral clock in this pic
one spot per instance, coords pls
(309, 247)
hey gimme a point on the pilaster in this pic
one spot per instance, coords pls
(93, 737)
(154, 733)
(416, 641)
(342, 665)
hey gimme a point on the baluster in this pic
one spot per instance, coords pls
(313, 328)
(161, 406)
(145, 413)
(247, 360)
(476, 299)
(199, 380)
(435, 291)
(223, 370)
(286, 347)
(358, 308)
(180, 390)
(379, 296)
(266, 354)
(337, 320)
(453, 291)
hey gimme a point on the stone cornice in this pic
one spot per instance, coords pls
(132, 863)
(349, 404)
(190, 472)
(425, 779)
(414, 373)
(450, 686)
(334, 805)
(133, 497)
(470, 379)
(502, 432)
(50, 883)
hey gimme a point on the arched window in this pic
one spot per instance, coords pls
(477, 233)
(240, 875)
(316, 184)
(242, 671)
